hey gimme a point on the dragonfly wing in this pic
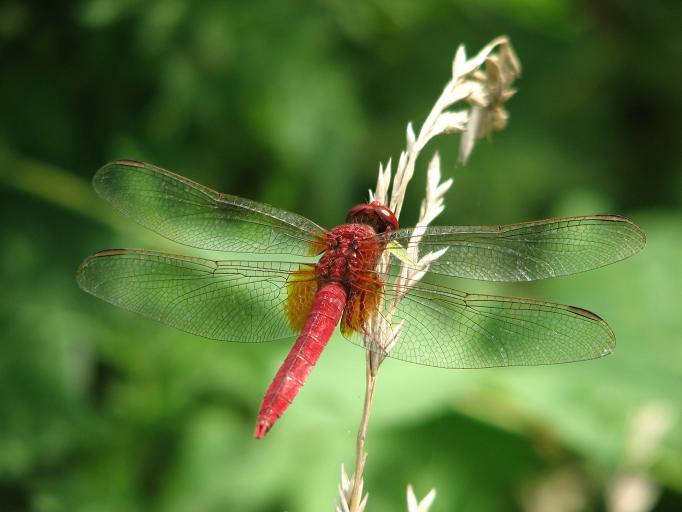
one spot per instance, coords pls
(222, 300)
(438, 326)
(195, 215)
(525, 251)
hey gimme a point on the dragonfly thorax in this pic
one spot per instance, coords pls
(351, 248)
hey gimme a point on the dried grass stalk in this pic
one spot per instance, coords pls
(479, 86)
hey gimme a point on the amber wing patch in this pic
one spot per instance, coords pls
(301, 289)
(317, 246)
(362, 303)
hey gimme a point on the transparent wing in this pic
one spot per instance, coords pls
(529, 250)
(194, 215)
(438, 326)
(222, 300)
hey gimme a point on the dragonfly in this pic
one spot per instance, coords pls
(331, 279)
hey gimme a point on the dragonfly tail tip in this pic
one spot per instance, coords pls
(262, 428)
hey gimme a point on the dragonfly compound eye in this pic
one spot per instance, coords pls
(375, 214)
(389, 220)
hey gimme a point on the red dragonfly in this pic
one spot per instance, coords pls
(258, 301)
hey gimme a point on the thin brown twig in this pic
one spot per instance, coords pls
(360, 454)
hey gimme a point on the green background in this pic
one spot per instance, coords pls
(294, 104)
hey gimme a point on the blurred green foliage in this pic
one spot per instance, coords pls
(295, 103)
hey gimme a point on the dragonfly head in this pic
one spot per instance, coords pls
(374, 214)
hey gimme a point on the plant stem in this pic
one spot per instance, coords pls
(360, 454)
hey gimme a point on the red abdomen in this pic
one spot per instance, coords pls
(324, 315)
